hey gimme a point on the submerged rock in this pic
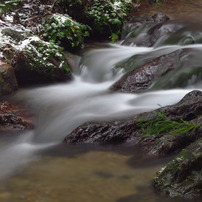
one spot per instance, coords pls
(14, 118)
(182, 177)
(189, 108)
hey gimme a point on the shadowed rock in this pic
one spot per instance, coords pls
(182, 177)
(8, 82)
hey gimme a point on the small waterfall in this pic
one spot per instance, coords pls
(63, 107)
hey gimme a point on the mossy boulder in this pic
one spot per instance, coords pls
(182, 177)
(40, 62)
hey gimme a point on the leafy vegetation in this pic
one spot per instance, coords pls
(64, 31)
(45, 58)
(8, 5)
(161, 125)
(106, 17)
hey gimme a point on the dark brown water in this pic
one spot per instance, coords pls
(185, 10)
(88, 173)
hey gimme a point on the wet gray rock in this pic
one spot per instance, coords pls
(147, 30)
(149, 20)
(14, 118)
(143, 76)
(177, 69)
(114, 132)
(182, 177)
(189, 108)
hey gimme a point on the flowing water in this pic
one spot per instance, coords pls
(35, 166)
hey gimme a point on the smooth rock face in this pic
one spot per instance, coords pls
(8, 82)
(182, 177)
(14, 118)
(177, 69)
(115, 132)
(189, 108)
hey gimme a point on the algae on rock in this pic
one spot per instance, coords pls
(182, 177)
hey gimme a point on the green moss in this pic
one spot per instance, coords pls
(8, 5)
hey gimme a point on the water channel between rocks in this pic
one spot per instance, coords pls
(35, 166)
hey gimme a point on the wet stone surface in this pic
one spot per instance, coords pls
(189, 108)
(14, 118)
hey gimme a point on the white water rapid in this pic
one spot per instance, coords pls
(63, 107)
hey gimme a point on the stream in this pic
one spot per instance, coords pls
(36, 166)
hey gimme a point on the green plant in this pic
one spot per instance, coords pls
(44, 57)
(8, 5)
(106, 17)
(64, 31)
(162, 125)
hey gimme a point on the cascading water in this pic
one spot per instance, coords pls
(63, 107)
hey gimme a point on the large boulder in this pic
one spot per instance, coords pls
(36, 61)
(177, 69)
(189, 108)
(8, 82)
(158, 30)
(40, 62)
(182, 177)
(141, 77)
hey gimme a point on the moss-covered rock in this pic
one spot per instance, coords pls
(40, 62)
(182, 177)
